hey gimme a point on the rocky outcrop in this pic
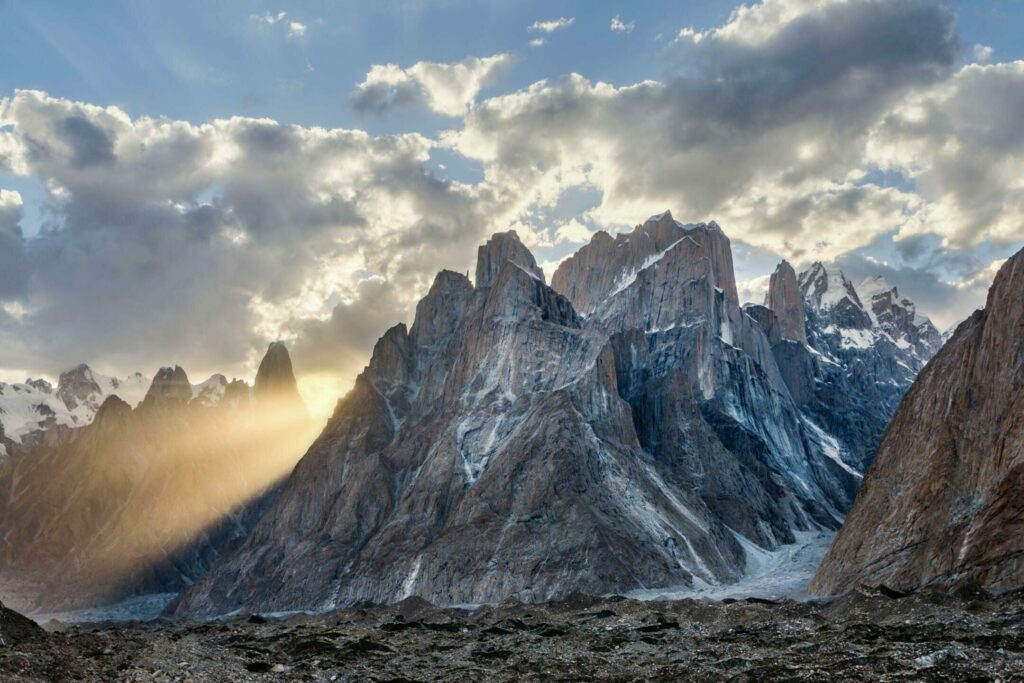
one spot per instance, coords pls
(16, 629)
(141, 500)
(628, 430)
(941, 506)
(786, 300)
(503, 247)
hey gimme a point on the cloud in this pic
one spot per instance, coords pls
(293, 28)
(764, 128)
(551, 25)
(962, 144)
(622, 27)
(268, 18)
(197, 244)
(13, 267)
(811, 129)
(982, 53)
(446, 88)
(573, 232)
(341, 340)
(536, 42)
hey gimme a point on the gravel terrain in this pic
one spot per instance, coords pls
(857, 637)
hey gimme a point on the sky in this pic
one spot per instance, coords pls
(182, 183)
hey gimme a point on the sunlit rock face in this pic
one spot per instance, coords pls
(942, 505)
(628, 427)
(141, 500)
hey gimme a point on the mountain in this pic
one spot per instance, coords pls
(34, 411)
(864, 346)
(943, 503)
(627, 427)
(141, 500)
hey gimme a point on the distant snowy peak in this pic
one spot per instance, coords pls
(824, 289)
(886, 306)
(864, 316)
(210, 392)
(35, 405)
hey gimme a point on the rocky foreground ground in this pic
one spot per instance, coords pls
(857, 637)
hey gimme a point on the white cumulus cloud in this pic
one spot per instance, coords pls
(446, 88)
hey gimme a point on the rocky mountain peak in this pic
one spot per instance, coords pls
(831, 294)
(502, 247)
(275, 375)
(824, 288)
(786, 300)
(112, 408)
(439, 311)
(40, 385)
(275, 390)
(170, 383)
(76, 385)
(605, 268)
(211, 391)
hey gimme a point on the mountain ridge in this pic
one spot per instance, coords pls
(526, 449)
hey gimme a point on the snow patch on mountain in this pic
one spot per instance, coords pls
(36, 405)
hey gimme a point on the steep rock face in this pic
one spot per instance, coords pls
(139, 501)
(680, 299)
(507, 446)
(786, 299)
(942, 503)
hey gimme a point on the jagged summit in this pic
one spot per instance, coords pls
(170, 383)
(605, 268)
(112, 407)
(77, 385)
(502, 247)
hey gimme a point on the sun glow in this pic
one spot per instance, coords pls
(321, 391)
(169, 477)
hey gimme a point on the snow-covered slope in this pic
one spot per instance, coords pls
(31, 408)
